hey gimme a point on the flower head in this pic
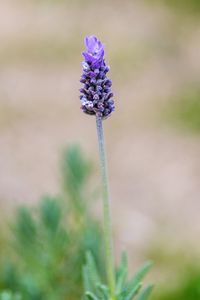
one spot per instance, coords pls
(96, 95)
(94, 53)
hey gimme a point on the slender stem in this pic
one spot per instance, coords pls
(106, 209)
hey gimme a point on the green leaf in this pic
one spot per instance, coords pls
(104, 291)
(140, 274)
(86, 279)
(25, 229)
(91, 296)
(91, 276)
(76, 170)
(92, 268)
(122, 273)
(133, 292)
(129, 293)
(145, 293)
(135, 282)
(50, 213)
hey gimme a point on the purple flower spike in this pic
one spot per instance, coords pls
(96, 95)
(94, 53)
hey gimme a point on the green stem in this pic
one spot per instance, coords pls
(106, 209)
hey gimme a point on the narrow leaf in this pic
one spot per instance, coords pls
(91, 296)
(140, 274)
(92, 267)
(90, 274)
(145, 293)
(104, 291)
(133, 292)
(122, 273)
(86, 280)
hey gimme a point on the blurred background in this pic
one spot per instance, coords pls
(153, 146)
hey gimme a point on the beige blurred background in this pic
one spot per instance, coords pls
(154, 166)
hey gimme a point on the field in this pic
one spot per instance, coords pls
(153, 137)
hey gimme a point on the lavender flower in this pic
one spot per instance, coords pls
(96, 98)
(96, 95)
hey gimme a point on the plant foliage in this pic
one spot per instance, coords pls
(49, 241)
(126, 289)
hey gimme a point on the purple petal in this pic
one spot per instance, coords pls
(94, 50)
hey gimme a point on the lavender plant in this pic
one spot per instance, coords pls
(97, 99)
(41, 257)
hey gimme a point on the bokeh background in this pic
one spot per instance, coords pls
(153, 146)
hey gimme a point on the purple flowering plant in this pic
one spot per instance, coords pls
(96, 95)
(97, 99)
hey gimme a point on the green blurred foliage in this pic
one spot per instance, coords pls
(179, 269)
(186, 6)
(9, 296)
(49, 242)
(187, 288)
(125, 289)
(184, 111)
